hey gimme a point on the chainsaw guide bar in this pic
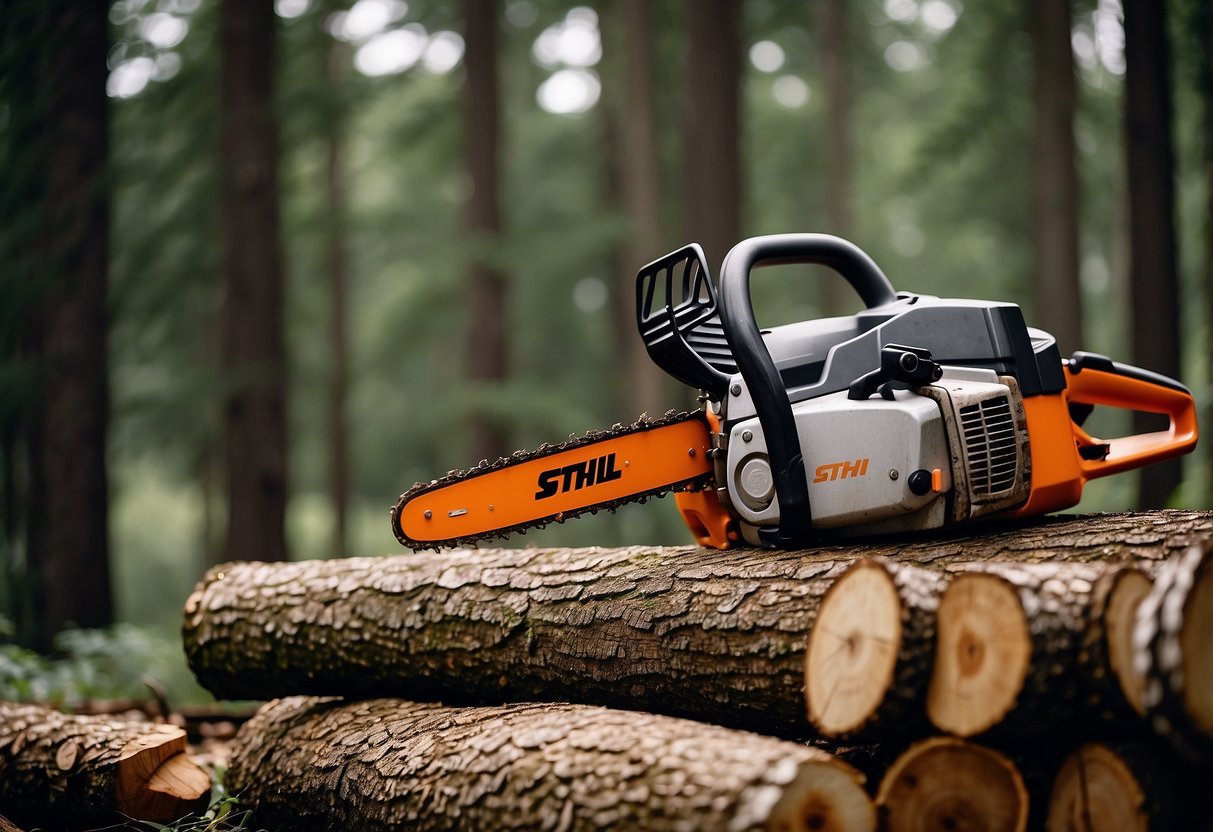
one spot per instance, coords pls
(696, 476)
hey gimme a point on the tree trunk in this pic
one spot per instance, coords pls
(1203, 31)
(712, 127)
(253, 350)
(1032, 648)
(1170, 639)
(836, 78)
(69, 553)
(871, 650)
(85, 770)
(1154, 275)
(488, 302)
(384, 764)
(1125, 785)
(717, 636)
(1056, 291)
(948, 783)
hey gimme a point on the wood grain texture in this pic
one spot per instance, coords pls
(87, 770)
(327, 764)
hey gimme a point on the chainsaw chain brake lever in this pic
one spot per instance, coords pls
(911, 366)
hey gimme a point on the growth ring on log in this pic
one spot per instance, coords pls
(1095, 789)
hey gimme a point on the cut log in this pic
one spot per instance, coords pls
(1033, 647)
(1129, 786)
(385, 764)
(90, 770)
(949, 783)
(871, 650)
(715, 636)
(1173, 650)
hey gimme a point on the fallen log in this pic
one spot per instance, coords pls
(326, 764)
(1033, 647)
(715, 636)
(871, 650)
(1173, 651)
(88, 770)
(949, 783)
(1130, 785)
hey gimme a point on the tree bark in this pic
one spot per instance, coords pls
(1033, 648)
(717, 636)
(712, 127)
(387, 764)
(871, 650)
(1058, 299)
(948, 783)
(69, 553)
(1154, 271)
(8, 826)
(488, 302)
(86, 770)
(253, 351)
(1170, 644)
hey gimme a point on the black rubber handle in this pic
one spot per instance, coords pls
(754, 360)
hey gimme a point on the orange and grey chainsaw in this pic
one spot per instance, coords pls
(916, 413)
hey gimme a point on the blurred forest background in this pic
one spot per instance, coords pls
(267, 264)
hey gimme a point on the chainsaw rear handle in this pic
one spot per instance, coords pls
(1099, 381)
(756, 366)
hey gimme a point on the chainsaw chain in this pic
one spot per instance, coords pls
(518, 457)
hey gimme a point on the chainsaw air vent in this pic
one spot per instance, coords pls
(991, 447)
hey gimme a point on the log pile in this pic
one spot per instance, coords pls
(1012, 677)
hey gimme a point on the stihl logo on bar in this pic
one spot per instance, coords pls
(841, 470)
(577, 476)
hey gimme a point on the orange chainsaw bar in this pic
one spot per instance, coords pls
(529, 490)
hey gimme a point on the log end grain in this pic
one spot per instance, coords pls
(825, 796)
(1096, 789)
(948, 783)
(178, 787)
(1197, 645)
(1129, 588)
(852, 650)
(982, 657)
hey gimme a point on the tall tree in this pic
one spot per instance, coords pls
(1055, 285)
(1203, 35)
(712, 127)
(253, 353)
(69, 535)
(835, 56)
(1153, 268)
(485, 342)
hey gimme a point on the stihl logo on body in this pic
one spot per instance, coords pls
(841, 470)
(577, 476)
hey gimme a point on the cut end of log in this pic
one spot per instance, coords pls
(157, 781)
(1129, 589)
(983, 653)
(948, 783)
(852, 650)
(1095, 789)
(826, 796)
(1197, 646)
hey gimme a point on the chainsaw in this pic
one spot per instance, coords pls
(916, 413)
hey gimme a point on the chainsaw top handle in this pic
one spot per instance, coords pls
(754, 362)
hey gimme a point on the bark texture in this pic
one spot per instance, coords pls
(85, 771)
(948, 783)
(387, 764)
(870, 653)
(1029, 648)
(1172, 654)
(717, 636)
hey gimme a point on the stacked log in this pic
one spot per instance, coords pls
(1044, 641)
(87, 771)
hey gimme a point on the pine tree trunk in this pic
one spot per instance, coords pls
(1033, 648)
(84, 771)
(384, 764)
(1154, 275)
(488, 305)
(1058, 300)
(253, 352)
(948, 783)
(870, 653)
